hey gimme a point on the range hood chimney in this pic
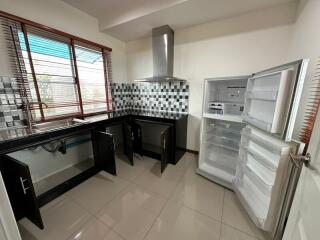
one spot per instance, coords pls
(162, 50)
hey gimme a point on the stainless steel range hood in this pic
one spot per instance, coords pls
(162, 50)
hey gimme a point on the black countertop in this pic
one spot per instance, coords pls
(13, 140)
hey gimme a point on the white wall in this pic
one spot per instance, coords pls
(63, 17)
(305, 43)
(237, 46)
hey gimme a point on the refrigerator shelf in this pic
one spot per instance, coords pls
(225, 117)
(224, 145)
(227, 128)
(225, 138)
(262, 95)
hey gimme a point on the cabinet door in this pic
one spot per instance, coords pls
(165, 148)
(18, 182)
(103, 151)
(128, 141)
(137, 138)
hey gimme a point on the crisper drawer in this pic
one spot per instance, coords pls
(267, 100)
(221, 158)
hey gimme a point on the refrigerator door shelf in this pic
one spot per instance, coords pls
(268, 143)
(262, 180)
(253, 206)
(263, 125)
(268, 162)
(262, 95)
(267, 101)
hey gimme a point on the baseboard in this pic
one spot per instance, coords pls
(192, 151)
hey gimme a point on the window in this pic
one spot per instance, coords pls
(66, 76)
(92, 78)
(53, 82)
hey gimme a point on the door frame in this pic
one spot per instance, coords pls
(314, 150)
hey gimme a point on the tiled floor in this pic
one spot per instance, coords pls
(140, 203)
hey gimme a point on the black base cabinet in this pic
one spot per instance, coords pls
(104, 151)
(20, 188)
(17, 178)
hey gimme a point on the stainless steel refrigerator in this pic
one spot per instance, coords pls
(247, 136)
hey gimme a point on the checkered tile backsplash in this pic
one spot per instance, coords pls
(160, 96)
(11, 115)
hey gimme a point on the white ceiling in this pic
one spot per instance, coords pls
(132, 19)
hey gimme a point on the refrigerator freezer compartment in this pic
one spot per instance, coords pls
(262, 95)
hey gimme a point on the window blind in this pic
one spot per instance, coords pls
(60, 75)
(53, 82)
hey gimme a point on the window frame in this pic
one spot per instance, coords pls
(106, 66)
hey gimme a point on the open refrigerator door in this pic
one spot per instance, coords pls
(271, 105)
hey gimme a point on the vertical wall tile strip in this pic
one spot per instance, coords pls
(11, 114)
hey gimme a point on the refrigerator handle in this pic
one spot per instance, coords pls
(297, 160)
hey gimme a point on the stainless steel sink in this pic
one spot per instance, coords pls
(54, 125)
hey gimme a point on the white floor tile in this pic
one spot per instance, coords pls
(128, 172)
(180, 223)
(94, 193)
(93, 229)
(200, 194)
(132, 213)
(61, 218)
(165, 183)
(229, 233)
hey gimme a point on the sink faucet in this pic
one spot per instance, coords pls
(27, 105)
